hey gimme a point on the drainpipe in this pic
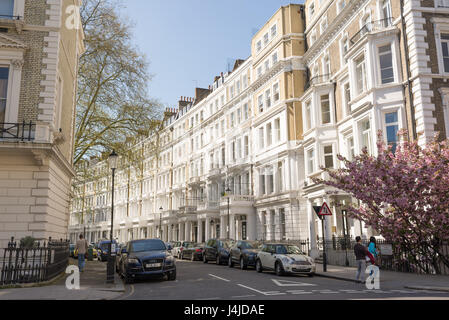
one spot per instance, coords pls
(409, 84)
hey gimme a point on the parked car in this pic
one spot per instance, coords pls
(193, 251)
(283, 259)
(103, 249)
(244, 253)
(178, 250)
(217, 250)
(145, 258)
(94, 252)
(72, 249)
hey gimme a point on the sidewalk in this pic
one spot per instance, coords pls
(390, 278)
(93, 286)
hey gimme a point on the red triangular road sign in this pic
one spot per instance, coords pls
(325, 211)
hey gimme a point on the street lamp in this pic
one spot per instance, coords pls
(160, 222)
(228, 226)
(112, 160)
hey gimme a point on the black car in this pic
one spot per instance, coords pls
(193, 251)
(103, 249)
(244, 253)
(217, 250)
(145, 258)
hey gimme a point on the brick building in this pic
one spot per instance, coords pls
(39, 50)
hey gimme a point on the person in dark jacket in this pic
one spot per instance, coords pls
(361, 252)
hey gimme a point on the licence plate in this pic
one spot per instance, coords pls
(153, 265)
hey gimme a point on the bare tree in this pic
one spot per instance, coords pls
(112, 101)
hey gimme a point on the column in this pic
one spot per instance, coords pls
(232, 231)
(208, 235)
(314, 252)
(222, 227)
(200, 231)
(188, 231)
(251, 226)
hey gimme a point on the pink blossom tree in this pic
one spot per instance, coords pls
(404, 195)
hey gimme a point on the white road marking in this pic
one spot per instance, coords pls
(286, 283)
(219, 278)
(247, 296)
(209, 299)
(269, 293)
(299, 292)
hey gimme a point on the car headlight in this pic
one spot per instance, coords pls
(133, 261)
(169, 261)
(287, 260)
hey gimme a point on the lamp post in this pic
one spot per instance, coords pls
(345, 233)
(160, 222)
(113, 159)
(228, 226)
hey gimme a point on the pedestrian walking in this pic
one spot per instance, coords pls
(361, 254)
(81, 246)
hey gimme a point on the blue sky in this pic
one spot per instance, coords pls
(188, 42)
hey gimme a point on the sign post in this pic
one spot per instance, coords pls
(322, 212)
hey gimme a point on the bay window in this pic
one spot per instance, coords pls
(328, 157)
(392, 127)
(445, 50)
(325, 109)
(360, 74)
(311, 161)
(386, 64)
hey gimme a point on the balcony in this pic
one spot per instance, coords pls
(190, 205)
(373, 26)
(317, 80)
(24, 132)
(209, 205)
(237, 200)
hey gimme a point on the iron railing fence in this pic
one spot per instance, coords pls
(370, 27)
(17, 131)
(39, 263)
(421, 258)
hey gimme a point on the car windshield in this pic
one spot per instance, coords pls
(288, 250)
(250, 245)
(147, 245)
(105, 245)
(185, 244)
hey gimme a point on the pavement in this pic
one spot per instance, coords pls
(407, 280)
(93, 286)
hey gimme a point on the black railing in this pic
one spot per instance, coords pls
(39, 263)
(317, 80)
(370, 27)
(17, 131)
(420, 258)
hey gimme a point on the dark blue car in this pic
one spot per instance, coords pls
(145, 258)
(103, 249)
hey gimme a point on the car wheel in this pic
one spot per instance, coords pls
(172, 276)
(230, 263)
(259, 267)
(204, 258)
(218, 262)
(311, 275)
(279, 269)
(243, 266)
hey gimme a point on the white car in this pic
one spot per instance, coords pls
(284, 258)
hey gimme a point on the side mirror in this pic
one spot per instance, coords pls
(169, 247)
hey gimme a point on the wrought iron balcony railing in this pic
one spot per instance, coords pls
(317, 80)
(17, 131)
(370, 27)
